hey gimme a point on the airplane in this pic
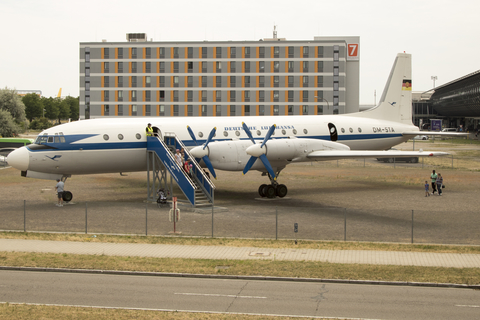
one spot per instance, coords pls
(263, 143)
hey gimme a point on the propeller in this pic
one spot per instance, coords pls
(203, 154)
(258, 151)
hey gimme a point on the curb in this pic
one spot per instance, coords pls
(263, 278)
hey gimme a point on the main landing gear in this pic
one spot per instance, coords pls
(272, 190)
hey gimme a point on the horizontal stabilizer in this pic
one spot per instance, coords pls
(436, 133)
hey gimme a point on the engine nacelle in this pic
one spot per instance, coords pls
(293, 149)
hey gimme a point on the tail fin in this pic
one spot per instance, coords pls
(59, 93)
(396, 101)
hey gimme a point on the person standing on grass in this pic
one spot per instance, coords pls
(59, 189)
(427, 187)
(439, 184)
(434, 176)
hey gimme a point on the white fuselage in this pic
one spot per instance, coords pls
(119, 145)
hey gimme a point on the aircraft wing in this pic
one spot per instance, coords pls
(344, 154)
(436, 133)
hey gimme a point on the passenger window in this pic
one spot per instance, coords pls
(343, 130)
(50, 139)
(200, 134)
(138, 136)
(106, 137)
(120, 136)
(284, 132)
(294, 131)
(225, 133)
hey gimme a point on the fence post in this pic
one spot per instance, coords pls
(345, 225)
(146, 219)
(276, 223)
(24, 215)
(212, 218)
(86, 210)
(412, 226)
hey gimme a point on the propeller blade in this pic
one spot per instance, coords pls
(268, 166)
(249, 164)
(209, 166)
(192, 135)
(247, 131)
(210, 136)
(267, 136)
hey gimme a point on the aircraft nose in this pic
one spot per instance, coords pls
(19, 159)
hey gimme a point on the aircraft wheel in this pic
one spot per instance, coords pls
(390, 160)
(270, 191)
(415, 160)
(261, 190)
(281, 190)
(67, 196)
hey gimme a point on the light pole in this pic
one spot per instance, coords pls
(328, 105)
(434, 78)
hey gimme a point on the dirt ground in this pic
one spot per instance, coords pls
(378, 199)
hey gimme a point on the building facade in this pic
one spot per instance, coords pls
(227, 78)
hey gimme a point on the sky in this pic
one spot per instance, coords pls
(40, 38)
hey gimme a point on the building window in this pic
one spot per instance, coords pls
(190, 66)
(106, 82)
(162, 81)
(175, 95)
(247, 66)
(319, 81)
(218, 111)
(204, 52)
(134, 53)
(290, 95)
(162, 110)
(275, 95)
(134, 82)
(120, 53)
(190, 52)
(175, 81)
(247, 52)
(204, 110)
(305, 110)
(246, 110)
(134, 110)
(233, 81)
(106, 95)
(305, 96)
(305, 52)
(106, 110)
(320, 52)
(218, 82)
(148, 81)
(247, 81)
(233, 96)
(189, 110)
(218, 52)
(204, 67)
(261, 96)
(232, 110)
(134, 67)
(218, 66)
(175, 110)
(162, 67)
(290, 110)
(291, 66)
(319, 66)
(291, 52)
(175, 67)
(148, 53)
(319, 109)
(290, 81)
(246, 95)
(276, 52)
(261, 110)
(276, 81)
(120, 81)
(162, 52)
(189, 96)
(204, 95)
(261, 66)
(233, 67)
(204, 81)
(119, 110)
(261, 81)
(106, 67)
(189, 81)
(218, 95)
(233, 52)
(276, 66)
(120, 67)
(261, 52)
(276, 110)
(148, 110)
(120, 95)
(305, 66)
(305, 81)
(175, 52)
(148, 67)
(134, 95)
(148, 95)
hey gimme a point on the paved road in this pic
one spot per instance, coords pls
(239, 296)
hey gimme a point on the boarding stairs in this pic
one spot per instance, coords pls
(198, 189)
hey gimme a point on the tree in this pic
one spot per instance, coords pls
(33, 106)
(10, 101)
(51, 108)
(8, 127)
(73, 104)
(63, 109)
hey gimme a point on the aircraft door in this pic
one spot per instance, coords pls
(333, 132)
(157, 132)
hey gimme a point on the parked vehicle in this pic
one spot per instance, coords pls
(421, 137)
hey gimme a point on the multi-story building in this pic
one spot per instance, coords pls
(225, 78)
